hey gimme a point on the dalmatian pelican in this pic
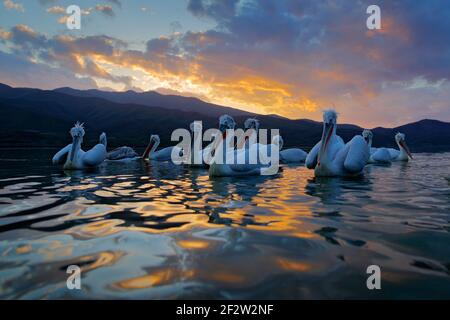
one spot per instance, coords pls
(403, 153)
(164, 154)
(330, 157)
(377, 155)
(74, 158)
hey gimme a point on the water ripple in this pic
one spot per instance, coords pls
(155, 230)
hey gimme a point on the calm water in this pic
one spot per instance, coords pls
(158, 230)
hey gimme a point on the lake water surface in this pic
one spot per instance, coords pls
(157, 231)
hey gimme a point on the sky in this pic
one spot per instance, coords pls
(293, 58)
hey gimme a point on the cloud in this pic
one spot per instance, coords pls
(25, 37)
(56, 10)
(317, 54)
(218, 10)
(105, 9)
(62, 19)
(4, 35)
(9, 4)
(16, 71)
(65, 52)
(288, 57)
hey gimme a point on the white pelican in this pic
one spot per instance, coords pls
(403, 154)
(195, 129)
(250, 123)
(219, 167)
(331, 157)
(292, 155)
(260, 148)
(202, 155)
(74, 158)
(377, 155)
(164, 154)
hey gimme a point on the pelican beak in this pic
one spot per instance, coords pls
(75, 144)
(242, 143)
(217, 140)
(223, 129)
(148, 149)
(406, 148)
(325, 139)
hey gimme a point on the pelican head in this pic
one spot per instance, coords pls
(329, 128)
(330, 116)
(367, 135)
(226, 122)
(251, 123)
(77, 132)
(278, 141)
(155, 139)
(103, 140)
(401, 142)
(152, 145)
(195, 126)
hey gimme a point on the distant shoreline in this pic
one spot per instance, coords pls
(142, 147)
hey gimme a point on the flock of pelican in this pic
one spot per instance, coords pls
(329, 157)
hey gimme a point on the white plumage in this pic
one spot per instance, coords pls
(164, 154)
(377, 155)
(74, 158)
(331, 157)
(291, 155)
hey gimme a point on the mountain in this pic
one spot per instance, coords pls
(152, 99)
(34, 117)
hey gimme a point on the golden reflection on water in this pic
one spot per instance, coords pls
(193, 244)
(157, 278)
(23, 249)
(291, 265)
(227, 277)
(102, 259)
(55, 249)
(95, 229)
(171, 275)
(164, 227)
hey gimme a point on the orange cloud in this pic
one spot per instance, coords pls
(13, 5)
(4, 35)
(392, 28)
(241, 88)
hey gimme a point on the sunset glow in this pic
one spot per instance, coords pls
(291, 58)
